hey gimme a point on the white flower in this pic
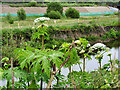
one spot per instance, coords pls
(106, 81)
(77, 41)
(33, 27)
(35, 72)
(88, 45)
(41, 19)
(82, 51)
(45, 25)
(91, 50)
(99, 45)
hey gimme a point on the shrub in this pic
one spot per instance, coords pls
(11, 21)
(54, 15)
(55, 6)
(104, 37)
(112, 33)
(91, 38)
(72, 13)
(21, 14)
(9, 18)
(33, 3)
(45, 15)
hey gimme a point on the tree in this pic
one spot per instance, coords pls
(21, 14)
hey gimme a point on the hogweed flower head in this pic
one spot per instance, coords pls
(41, 19)
(99, 45)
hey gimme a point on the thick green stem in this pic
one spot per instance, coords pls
(100, 65)
(42, 49)
(50, 81)
(12, 73)
(41, 84)
(70, 69)
(83, 64)
(70, 72)
(54, 73)
(8, 83)
(80, 67)
(7, 39)
(42, 42)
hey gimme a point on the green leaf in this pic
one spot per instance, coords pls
(5, 59)
(55, 57)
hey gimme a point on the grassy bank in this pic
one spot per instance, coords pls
(57, 35)
(107, 20)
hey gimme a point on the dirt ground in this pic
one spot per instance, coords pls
(7, 9)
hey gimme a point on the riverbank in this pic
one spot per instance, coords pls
(93, 34)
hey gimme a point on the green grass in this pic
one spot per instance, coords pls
(63, 4)
(110, 20)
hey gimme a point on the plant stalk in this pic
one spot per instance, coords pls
(41, 84)
(42, 42)
(12, 73)
(8, 83)
(100, 65)
(83, 64)
(54, 73)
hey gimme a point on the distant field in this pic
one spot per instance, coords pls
(100, 20)
(7, 9)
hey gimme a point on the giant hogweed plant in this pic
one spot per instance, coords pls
(83, 50)
(41, 30)
(39, 61)
(101, 48)
(104, 78)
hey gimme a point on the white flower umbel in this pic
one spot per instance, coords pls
(41, 19)
(78, 42)
(98, 45)
(45, 25)
(82, 51)
(88, 45)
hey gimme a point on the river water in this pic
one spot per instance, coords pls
(91, 64)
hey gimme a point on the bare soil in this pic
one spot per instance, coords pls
(8, 9)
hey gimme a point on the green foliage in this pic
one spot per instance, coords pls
(22, 75)
(72, 13)
(41, 30)
(93, 79)
(111, 34)
(74, 58)
(91, 38)
(54, 15)
(9, 18)
(55, 6)
(11, 21)
(36, 56)
(83, 48)
(8, 51)
(33, 3)
(63, 4)
(5, 59)
(28, 5)
(21, 14)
